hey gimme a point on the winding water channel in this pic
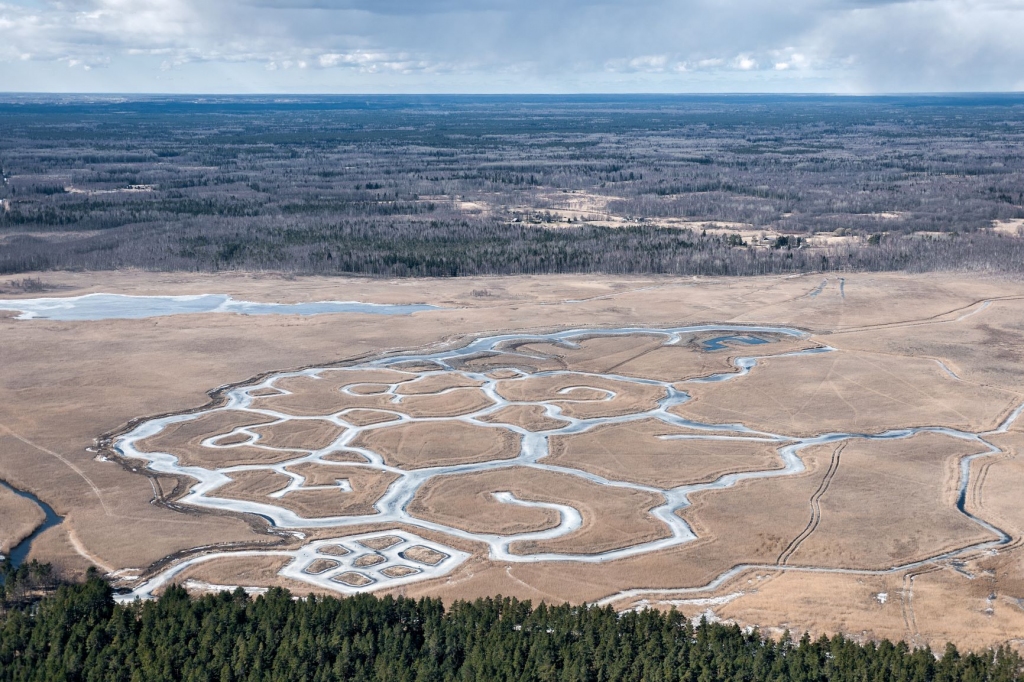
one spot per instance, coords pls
(20, 552)
(392, 508)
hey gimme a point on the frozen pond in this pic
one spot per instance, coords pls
(122, 307)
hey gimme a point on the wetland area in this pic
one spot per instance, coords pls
(741, 449)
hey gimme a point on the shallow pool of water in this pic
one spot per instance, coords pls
(122, 307)
(718, 343)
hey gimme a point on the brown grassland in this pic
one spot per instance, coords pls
(938, 350)
(382, 542)
(646, 357)
(305, 434)
(359, 417)
(634, 451)
(436, 384)
(321, 566)
(367, 487)
(903, 492)
(529, 417)
(18, 518)
(583, 402)
(857, 392)
(425, 444)
(612, 517)
(184, 440)
(321, 395)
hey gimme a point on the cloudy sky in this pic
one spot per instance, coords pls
(344, 46)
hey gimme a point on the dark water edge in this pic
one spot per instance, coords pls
(718, 343)
(20, 552)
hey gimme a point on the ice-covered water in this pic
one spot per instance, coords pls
(392, 508)
(123, 307)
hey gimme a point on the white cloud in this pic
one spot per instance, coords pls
(447, 45)
(710, 63)
(745, 62)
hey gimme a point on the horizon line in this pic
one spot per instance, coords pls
(737, 93)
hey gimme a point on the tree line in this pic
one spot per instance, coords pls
(454, 248)
(81, 634)
(24, 584)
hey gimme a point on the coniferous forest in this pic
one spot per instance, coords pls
(79, 633)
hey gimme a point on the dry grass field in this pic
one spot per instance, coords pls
(18, 518)
(321, 395)
(869, 541)
(854, 392)
(366, 487)
(726, 520)
(972, 604)
(904, 491)
(361, 417)
(436, 384)
(229, 573)
(306, 434)
(426, 444)
(467, 502)
(612, 517)
(647, 357)
(529, 417)
(451, 403)
(185, 439)
(484, 362)
(644, 452)
(583, 396)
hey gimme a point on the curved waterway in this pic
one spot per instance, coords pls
(20, 552)
(122, 307)
(392, 508)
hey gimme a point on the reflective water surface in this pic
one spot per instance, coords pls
(122, 307)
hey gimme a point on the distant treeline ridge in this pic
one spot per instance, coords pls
(452, 186)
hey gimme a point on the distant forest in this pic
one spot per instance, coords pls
(450, 186)
(80, 635)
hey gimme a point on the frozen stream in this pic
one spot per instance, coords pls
(392, 508)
